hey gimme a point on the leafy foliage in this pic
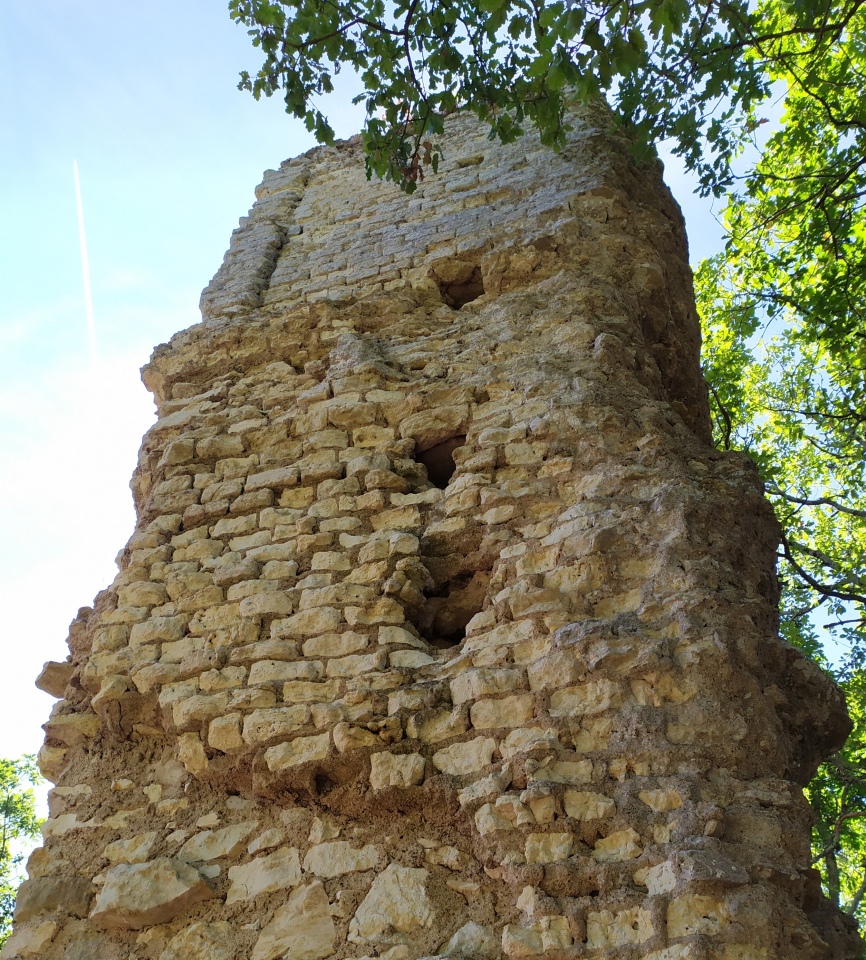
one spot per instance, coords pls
(785, 355)
(672, 69)
(18, 824)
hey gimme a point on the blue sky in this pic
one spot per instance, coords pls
(144, 97)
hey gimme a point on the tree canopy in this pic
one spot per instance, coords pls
(19, 824)
(782, 306)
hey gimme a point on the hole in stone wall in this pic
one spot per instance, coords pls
(322, 784)
(459, 281)
(443, 618)
(439, 461)
(459, 294)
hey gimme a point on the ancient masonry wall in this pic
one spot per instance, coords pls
(444, 631)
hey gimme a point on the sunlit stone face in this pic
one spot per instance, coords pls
(443, 630)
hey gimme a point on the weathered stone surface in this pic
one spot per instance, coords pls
(275, 871)
(464, 758)
(212, 844)
(201, 941)
(55, 677)
(396, 770)
(302, 929)
(134, 850)
(49, 895)
(586, 805)
(29, 941)
(396, 902)
(298, 751)
(339, 857)
(605, 928)
(439, 594)
(145, 894)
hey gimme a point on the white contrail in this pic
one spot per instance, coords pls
(85, 269)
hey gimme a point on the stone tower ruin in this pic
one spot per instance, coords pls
(444, 631)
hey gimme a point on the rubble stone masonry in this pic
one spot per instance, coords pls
(444, 631)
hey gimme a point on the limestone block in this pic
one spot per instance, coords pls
(336, 644)
(212, 448)
(266, 840)
(201, 941)
(252, 699)
(406, 519)
(213, 844)
(433, 726)
(266, 724)
(433, 426)
(193, 711)
(308, 623)
(152, 676)
(396, 770)
(586, 805)
(29, 941)
(506, 634)
(52, 895)
(662, 800)
(512, 807)
(471, 940)
(303, 691)
(225, 679)
(409, 659)
(472, 684)
(357, 665)
(134, 850)
(274, 648)
(54, 678)
(662, 878)
(524, 739)
(396, 902)
(509, 712)
(330, 560)
(348, 737)
(337, 857)
(470, 756)
(563, 771)
(155, 630)
(618, 846)
(301, 929)
(144, 894)
(607, 929)
(383, 611)
(693, 913)
(488, 820)
(549, 934)
(586, 699)
(298, 751)
(224, 733)
(548, 847)
(262, 604)
(142, 594)
(276, 479)
(558, 669)
(276, 871)
(279, 671)
(72, 728)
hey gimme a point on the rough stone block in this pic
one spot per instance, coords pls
(146, 894)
